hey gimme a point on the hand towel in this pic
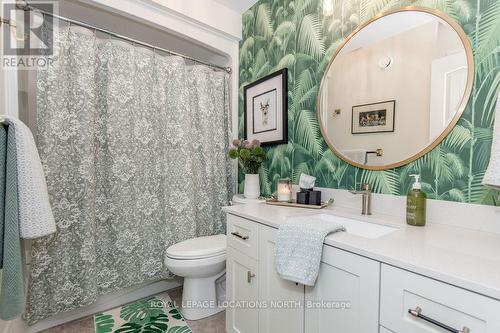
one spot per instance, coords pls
(356, 155)
(299, 246)
(12, 298)
(492, 175)
(35, 214)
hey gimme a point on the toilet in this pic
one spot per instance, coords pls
(201, 261)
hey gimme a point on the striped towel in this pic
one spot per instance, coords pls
(12, 299)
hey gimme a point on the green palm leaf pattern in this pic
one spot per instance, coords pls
(141, 311)
(104, 323)
(295, 34)
(174, 313)
(179, 329)
(156, 314)
(157, 324)
(129, 328)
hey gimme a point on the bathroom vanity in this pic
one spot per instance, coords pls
(379, 276)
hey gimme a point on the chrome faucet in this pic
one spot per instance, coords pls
(366, 208)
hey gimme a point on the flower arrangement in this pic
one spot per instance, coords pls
(250, 155)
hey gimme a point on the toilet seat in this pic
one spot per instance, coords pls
(198, 248)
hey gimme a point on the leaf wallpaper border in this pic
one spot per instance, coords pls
(295, 34)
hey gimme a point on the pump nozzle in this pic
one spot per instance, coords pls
(416, 185)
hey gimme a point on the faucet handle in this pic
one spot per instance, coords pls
(365, 187)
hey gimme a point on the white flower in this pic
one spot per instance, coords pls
(127, 241)
(67, 293)
(147, 203)
(106, 277)
(151, 267)
(143, 131)
(123, 168)
(68, 213)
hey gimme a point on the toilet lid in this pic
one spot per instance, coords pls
(198, 248)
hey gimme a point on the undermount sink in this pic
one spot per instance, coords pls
(357, 227)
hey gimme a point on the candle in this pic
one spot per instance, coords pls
(284, 190)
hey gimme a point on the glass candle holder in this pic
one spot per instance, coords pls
(284, 190)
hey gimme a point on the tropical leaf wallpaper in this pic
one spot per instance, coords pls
(295, 34)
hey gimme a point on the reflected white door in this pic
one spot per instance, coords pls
(448, 81)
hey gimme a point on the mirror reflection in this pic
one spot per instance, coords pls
(395, 89)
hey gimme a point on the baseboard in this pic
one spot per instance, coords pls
(104, 303)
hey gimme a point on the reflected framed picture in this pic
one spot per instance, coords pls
(373, 117)
(266, 109)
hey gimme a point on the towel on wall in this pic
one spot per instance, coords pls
(35, 214)
(356, 155)
(12, 299)
(492, 175)
(299, 247)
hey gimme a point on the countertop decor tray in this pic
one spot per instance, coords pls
(294, 204)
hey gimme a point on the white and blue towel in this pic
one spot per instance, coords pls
(299, 246)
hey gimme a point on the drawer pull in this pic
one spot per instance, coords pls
(250, 275)
(237, 234)
(417, 313)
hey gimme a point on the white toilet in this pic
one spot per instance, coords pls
(201, 261)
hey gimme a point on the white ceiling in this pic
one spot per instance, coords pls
(239, 6)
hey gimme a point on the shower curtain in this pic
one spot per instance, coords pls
(134, 148)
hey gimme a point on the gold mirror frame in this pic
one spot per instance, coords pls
(468, 88)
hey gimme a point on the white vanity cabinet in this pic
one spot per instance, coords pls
(283, 298)
(251, 277)
(345, 279)
(242, 285)
(459, 309)
(345, 298)
(353, 294)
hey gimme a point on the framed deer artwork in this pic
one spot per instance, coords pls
(266, 109)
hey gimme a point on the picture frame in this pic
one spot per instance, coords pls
(373, 117)
(266, 109)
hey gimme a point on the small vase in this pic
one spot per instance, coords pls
(252, 186)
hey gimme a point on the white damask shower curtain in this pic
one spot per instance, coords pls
(134, 149)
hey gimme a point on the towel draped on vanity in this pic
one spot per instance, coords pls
(299, 247)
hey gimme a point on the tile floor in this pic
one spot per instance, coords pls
(214, 324)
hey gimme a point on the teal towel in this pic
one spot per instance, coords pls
(12, 299)
(3, 157)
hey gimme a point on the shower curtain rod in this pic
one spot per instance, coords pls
(27, 7)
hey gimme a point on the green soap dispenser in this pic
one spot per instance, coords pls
(415, 204)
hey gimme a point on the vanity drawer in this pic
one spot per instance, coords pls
(454, 307)
(243, 235)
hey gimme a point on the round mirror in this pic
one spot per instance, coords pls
(395, 88)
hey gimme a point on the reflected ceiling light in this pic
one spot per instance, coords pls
(327, 7)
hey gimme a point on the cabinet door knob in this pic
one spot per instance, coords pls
(250, 275)
(237, 234)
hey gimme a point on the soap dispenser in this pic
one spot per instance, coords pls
(415, 204)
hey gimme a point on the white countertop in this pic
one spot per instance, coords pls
(462, 257)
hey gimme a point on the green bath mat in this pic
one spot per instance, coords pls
(155, 314)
